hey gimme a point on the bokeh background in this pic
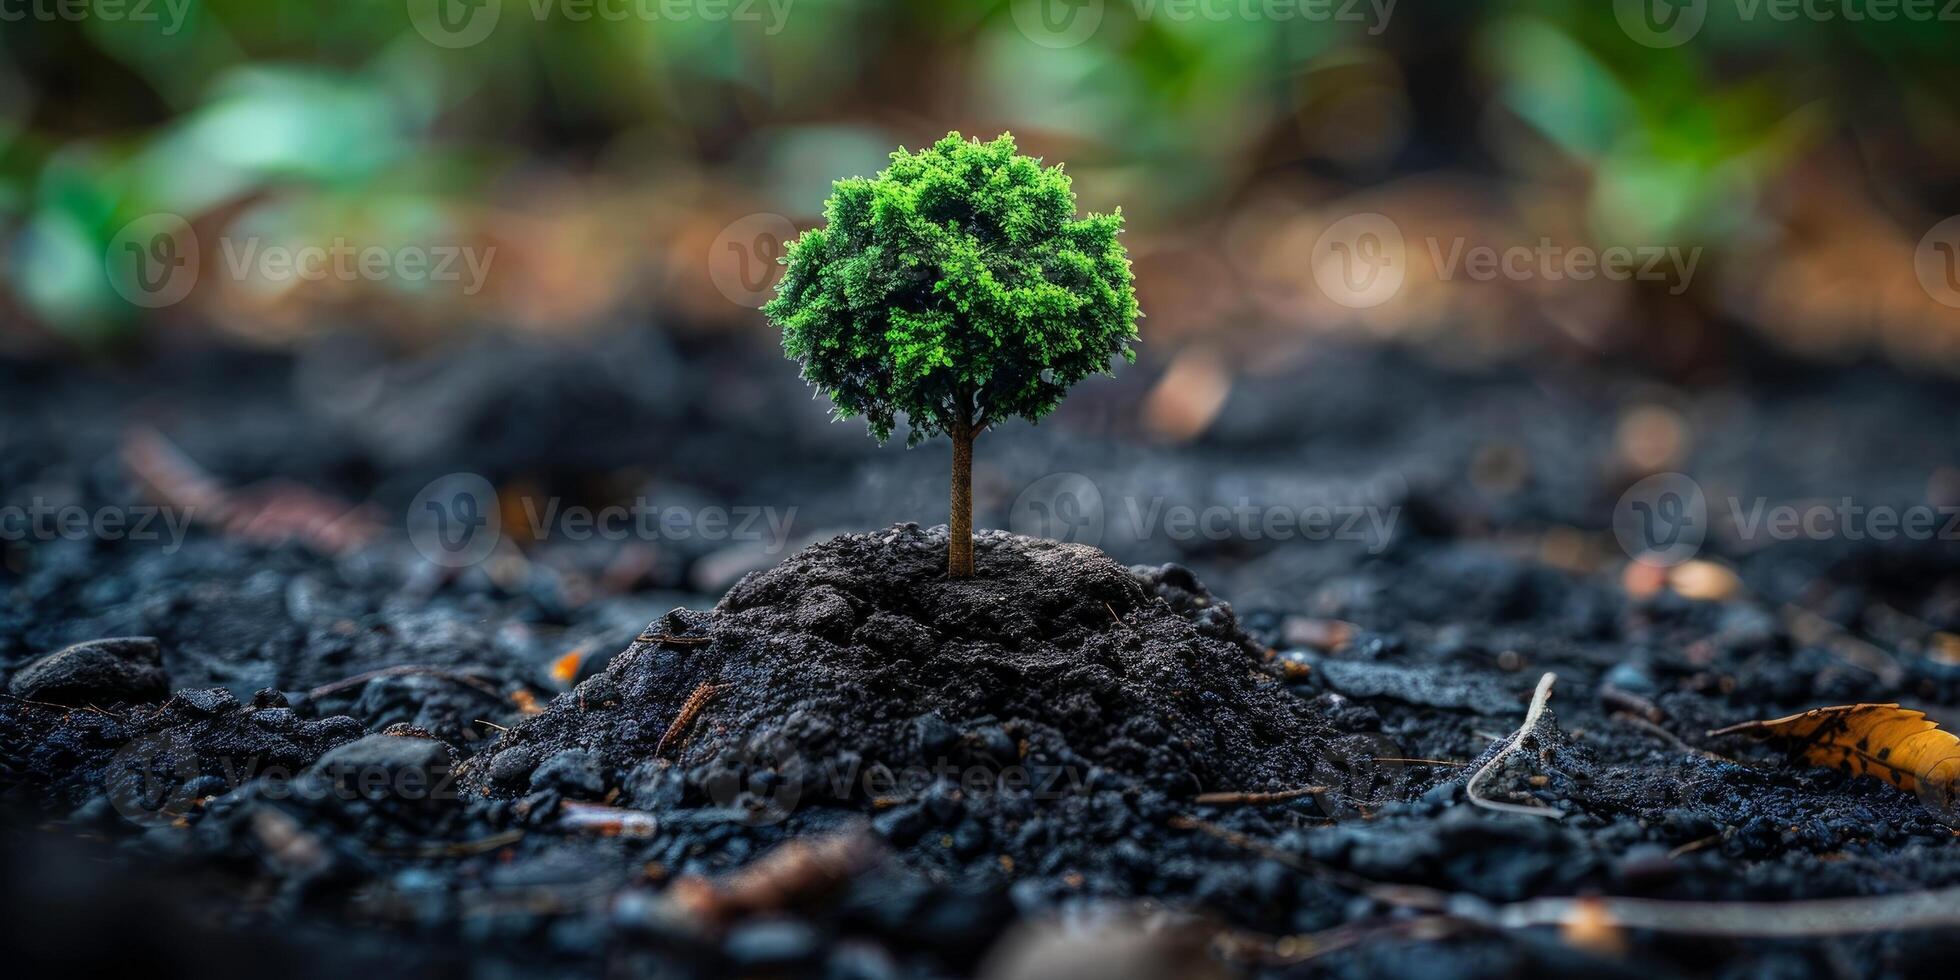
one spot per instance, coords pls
(603, 157)
(627, 172)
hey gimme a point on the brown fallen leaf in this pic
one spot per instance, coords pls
(1895, 744)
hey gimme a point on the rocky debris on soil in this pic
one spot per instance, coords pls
(155, 764)
(107, 671)
(856, 674)
(1436, 687)
(1479, 589)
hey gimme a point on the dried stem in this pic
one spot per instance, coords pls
(676, 641)
(1934, 909)
(1532, 717)
(402, 670)
(1256, 799)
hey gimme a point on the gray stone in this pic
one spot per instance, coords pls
(127, 668)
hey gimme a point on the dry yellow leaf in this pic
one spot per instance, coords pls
(1895, 744)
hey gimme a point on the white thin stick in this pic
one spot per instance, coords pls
(1531, 718)
(1937, 909)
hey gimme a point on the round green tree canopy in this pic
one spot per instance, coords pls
(957, 286)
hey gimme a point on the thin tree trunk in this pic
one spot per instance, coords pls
(959, 548)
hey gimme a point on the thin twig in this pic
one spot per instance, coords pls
(1694, 845)
(1255, 799)
(403, 670)
(1119, 619)
(1935, 909)
(466, 848)
(606, 821)
(1664, 735)
(1625, 700)
(1305, 947)
(1531, 719)
(1426, 762)
(64, 707)
(671, 640)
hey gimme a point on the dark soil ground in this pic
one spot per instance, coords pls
(335, 755)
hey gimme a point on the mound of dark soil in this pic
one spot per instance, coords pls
(855, 671)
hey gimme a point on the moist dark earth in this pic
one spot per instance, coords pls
(295, 741)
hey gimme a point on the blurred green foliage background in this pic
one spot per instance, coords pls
(605, 157)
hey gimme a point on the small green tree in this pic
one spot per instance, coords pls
(957, 288)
